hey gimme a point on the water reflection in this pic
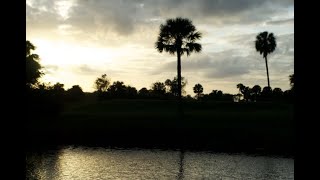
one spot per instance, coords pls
(181, 162)
(106, 163)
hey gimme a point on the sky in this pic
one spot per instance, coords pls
(79, 40)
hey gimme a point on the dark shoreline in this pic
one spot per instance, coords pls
(186, 139)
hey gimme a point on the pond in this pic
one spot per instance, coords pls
(79, 162)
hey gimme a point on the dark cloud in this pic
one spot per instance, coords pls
(41, 19)
(123, 17)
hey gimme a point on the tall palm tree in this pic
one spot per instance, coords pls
(179, 36)
(266, 44)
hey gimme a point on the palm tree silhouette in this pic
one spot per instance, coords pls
(178, 36)
(266, 44)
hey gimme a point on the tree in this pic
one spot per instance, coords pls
(241, 87)
(246, 91)
(277, 92)
(256, 90)
(198, 89)
(265, 44)
(173, 86)
(131, 92)
(158, 88)
(143, 92)
(117, 89)
(33, 67)
(266, 92)
(75, 92)
(291, 78)
(178, 36)
(102, 84)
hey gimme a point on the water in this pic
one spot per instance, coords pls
(106, 163)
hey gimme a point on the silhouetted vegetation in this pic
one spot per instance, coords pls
(198, 89)
(33, 68)
(266, 44)
(75, 93)
(178, 36)
(263, 118)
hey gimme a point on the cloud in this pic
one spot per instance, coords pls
(280, 22)
(124, 17)
(229, 29)
(50, 69)
(86, 69)
(238, 61)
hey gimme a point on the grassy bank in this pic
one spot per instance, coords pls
(208, 125)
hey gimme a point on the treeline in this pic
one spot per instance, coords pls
(256, 93)
(159, 90)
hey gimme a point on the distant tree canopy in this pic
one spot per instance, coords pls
(33, 68)
(117, 89)
(172, 86)
(158, 88)
(198, 89)
(102, 83)
(256, 94)
(144, 92)
(75, 93)
(179, 36)
(291, 78)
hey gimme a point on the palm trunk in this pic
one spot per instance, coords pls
(179, 74)
(180, 111)
(267, 70)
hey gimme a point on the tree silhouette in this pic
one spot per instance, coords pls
(143, 92)
(256, 90)
(266, 92)
(277, 92)
(117, 89)
(131, 92)
(75, 93)
(291, 78)
(158, 88)
(33, 67)
(246, 91)
(173, 86)
(102, 84)
(266, 44)
(241, 87)
(198, 89)
(178, 36)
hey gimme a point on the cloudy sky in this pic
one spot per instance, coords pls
(79, 40)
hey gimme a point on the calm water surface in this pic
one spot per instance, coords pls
(106, 163)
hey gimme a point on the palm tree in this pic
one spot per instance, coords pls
(266, 44)
(198, 89)
(178, 36)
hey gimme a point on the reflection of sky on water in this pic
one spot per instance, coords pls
(103, 163)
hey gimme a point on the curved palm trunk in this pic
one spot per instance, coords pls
(179, 74)
(267, 70)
